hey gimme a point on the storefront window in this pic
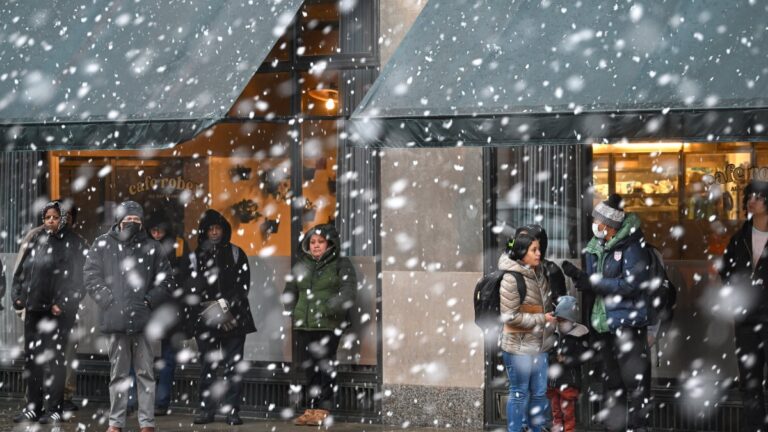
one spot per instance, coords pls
(319, 28)
(320, 93)
(541, 185)
(319, 170)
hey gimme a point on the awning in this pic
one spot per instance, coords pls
(495, 72)
(117, 74)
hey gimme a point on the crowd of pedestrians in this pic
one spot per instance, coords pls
(140, 272)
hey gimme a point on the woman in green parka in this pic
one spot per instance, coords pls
(319, 294)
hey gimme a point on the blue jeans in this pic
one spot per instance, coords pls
(165, 383)
(527, 376)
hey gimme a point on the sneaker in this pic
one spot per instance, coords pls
(204, 418)
(26, 415)
(51, 418)
(68, 405)
(234, 419)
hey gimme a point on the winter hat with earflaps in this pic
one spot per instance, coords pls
(568, 309)
(610, 211)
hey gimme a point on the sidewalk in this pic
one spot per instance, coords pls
(90, 420)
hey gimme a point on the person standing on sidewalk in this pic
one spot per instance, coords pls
(528, 331)
(222, 280)
(176, 251)
(745, 269)
(47, 284)
(319, 294)
(69, 216)
(617, 304)
(128, 276)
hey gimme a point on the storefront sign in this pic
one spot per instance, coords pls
(739, 174)
(162, 184)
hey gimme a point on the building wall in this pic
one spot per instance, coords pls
(397, 17)
(432, 258)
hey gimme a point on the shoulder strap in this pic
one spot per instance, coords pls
(522, 290)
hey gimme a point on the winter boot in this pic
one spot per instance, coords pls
(302, 419)
(318, 417)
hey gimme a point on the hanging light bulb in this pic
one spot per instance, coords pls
(330, 104)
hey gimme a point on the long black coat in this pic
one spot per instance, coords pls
(748, 281)
(50, 272)
(219, 274)
(123, 276)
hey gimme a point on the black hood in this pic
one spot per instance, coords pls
(328, 231)
(212, 217)
(161, 220)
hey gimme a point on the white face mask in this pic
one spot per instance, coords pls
(596, 231)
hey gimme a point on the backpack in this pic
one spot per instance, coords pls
(662, 294)
(487, 300)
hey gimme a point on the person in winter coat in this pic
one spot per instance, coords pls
(319, 295)
(48, 285)
(128, 276)
(565, 360)
(745, 269)
(527, 336)
(178, 328)
(617, 304)
(221, 280)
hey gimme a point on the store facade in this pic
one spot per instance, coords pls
(495, 114)
(236, 107)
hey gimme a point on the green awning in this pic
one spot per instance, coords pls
(119, 74)
(495, 72)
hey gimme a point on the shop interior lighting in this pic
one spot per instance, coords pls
(644, 147)
(328, 97)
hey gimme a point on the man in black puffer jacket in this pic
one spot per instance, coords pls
(221, 278)
(745, 269)
(47, 283)
(127, 275)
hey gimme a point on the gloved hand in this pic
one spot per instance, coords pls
(229, 325)
(579, 276)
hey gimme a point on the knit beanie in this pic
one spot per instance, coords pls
(129, 208)
(610, 211)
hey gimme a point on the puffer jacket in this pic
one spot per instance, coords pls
(321, 291)
(533, 335)
(50, 272)
(623, 264)
(748, 280)
(220, 270)
(127, 279)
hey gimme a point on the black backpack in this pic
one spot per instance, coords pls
(487, 301)
(662, 297)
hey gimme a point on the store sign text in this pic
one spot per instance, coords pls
(739, 174)
(162, 184)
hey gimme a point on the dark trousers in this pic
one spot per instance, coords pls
(168, 350)
(316, 354)
(751, 347)
(45, 342)
(626, 356)
(226, 351)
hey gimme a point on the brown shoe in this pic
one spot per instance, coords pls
(302, 419)
(114, 429)
(147, 429)
(318, 417)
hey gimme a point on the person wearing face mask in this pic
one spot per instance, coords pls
(527, 335)
(613, 290)
(318, 295)
(128, 276)
(744, 268)
(220, 280)
(565, 361)
(48, 286)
